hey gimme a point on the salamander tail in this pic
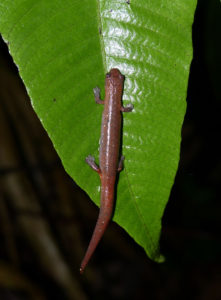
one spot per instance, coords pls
(101, 225)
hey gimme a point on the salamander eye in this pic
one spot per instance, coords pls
(108, 75)
(122, 76)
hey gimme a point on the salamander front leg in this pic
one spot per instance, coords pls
(97, 95)
(120, 165)
(91, 162)
(127, 108)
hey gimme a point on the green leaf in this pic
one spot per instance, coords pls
(63, 50)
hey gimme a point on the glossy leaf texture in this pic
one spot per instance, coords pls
(63, 50)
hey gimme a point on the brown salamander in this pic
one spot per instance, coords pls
(109, 153)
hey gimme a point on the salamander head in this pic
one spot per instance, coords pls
(115, 74)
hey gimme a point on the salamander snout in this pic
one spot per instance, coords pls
(115, 73)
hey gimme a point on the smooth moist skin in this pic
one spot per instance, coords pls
(109, 153)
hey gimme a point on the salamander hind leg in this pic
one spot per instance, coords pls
(127, 108)
(97, 93)
(120, 165)
(91, 162)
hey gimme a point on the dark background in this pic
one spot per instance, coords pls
(46, 220)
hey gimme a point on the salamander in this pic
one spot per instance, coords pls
(109, 152)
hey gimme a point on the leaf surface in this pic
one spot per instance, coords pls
(63, 50)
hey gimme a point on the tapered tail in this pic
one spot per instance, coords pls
(101, 225)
